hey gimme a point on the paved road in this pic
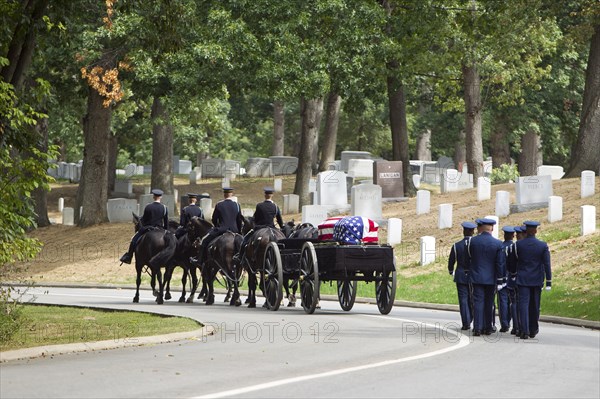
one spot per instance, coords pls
(258, 353)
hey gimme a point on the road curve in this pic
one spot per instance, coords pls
(258, 353)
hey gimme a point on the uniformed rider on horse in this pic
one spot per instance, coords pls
(155, 215)
(264, 214)
(193, 209)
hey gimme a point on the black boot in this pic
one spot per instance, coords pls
(126, 258)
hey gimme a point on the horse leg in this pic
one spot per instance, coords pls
(159, 298)
(210, 296)
(194, 278)
(251, 290)
(228, 295)
(153, 284)
(167, 281)
(183, 283)
(138, 281)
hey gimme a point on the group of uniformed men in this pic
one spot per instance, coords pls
(512, 271)
(227, 216)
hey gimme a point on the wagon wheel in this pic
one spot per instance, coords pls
(309, 278)
(346, 293)
(385, 290)
(273, 276)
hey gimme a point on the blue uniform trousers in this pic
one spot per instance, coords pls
(465, 303)
(483, 307)
(504, 308)
(514, 307)
(529, 309)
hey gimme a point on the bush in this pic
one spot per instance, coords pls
(504, 174)
(11, 317)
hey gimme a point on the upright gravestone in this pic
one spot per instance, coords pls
(123, 186)
(531, 192)
(496, 226)
(346, 156)
(484, 189)
(212, 167)
(423, 201)
(394, 227)
(416, 180)
(588, 181)
(185, 167)
(195, 175)
(130, 170)
(225, 182)
(314, 214)
(61, 204)
(502, 203)
(312, 185)
(366, 201)
(465, 181)
(175, 164)
(68, 216)
(259, 167)
(388, 175)
(449, 180)
(360, 168)
(588, 219)
(555, 209)
(556, 172)
(207, 209)
(427, 244)
(284, 165)
(167, 199)
(119, 210)
(278, 185)
(291, 203)
(331, 189)
(445, 216)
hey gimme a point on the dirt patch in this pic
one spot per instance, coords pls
(90, 255)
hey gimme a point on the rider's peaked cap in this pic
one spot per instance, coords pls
(269, 190)
(158, 192)
(227, 189)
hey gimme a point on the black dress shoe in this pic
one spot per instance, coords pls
(524, 336)
(465, 328)
(513, 332)
(504, 329)
(487, 332)
(532, 335)
(476, 333)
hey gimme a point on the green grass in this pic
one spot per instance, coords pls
(42, 325)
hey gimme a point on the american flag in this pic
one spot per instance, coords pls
(355, 230)
(326, 228)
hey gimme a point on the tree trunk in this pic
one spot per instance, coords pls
(399, 128)
(460, 151)
(499, 145)
(309, 112)
(113, 150)
(162, 148)
(424, 145)
(473, 139)
(315, 153)
(92, 193)
(531, 154)
(586, 154)
(278, 128)
(40, 195)
(332, 118)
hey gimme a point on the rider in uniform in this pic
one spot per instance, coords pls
(458, 255)
(190, 211)
(264, 214)
(227, 216)
(532, 266)
(155, 215)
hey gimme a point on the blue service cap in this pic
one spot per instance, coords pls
(508, 229)
(518, 229)
(192, 195)
(478, 221)
(491, 222)
(468, 225)
(158, 192)
(531, 223)
(269, 190)
(227, 189)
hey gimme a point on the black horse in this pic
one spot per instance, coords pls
(255, 254)
(299, 231)
(219, 259)
(185, 249)
(154, 249)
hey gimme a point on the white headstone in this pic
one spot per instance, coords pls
(445, 216)
(213, 167)
(312, 184)
(423, 201)
(465, 181)
(331, 188)
(291, 203)
(225, 182)
(416, 180)
(496, 226)
(195, 175)
(449, 180)
(555, 209)
(68, 216)
(427, 244)
(247, 212)
(147, 189)
(167, 199)
(259, 167)
(185, 166)
(588, 183)
(346, 156)
(360, 168)
(366, 201)
(394, 227)
(502, 203)
(314, 214)
(207, 209)
(232, 168)
(588, 219)
(130, 170)
(533, 189)
(119, 210)
(556, 172)
(484, 189)
(278, 185)
(123, 186)
(61, 204)
(284, 165)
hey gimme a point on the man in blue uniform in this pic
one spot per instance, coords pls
(155, 215)
(503, 295)
(227, 215)
(458, 254)
(188, 213)
(484, 266)
(263, 216)
(511, 283)
(532, 266)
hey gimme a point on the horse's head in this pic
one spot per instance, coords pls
(289, 227)
(305, 230)
(136, 221)
(248, 224)
(173, 225)
(197, 228)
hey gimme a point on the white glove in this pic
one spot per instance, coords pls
(548, 288)
(499, 287)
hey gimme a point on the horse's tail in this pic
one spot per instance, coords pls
(161, 258)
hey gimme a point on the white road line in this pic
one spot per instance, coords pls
(463, 341)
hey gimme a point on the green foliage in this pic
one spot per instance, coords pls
(11, 317)
(504, 174)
